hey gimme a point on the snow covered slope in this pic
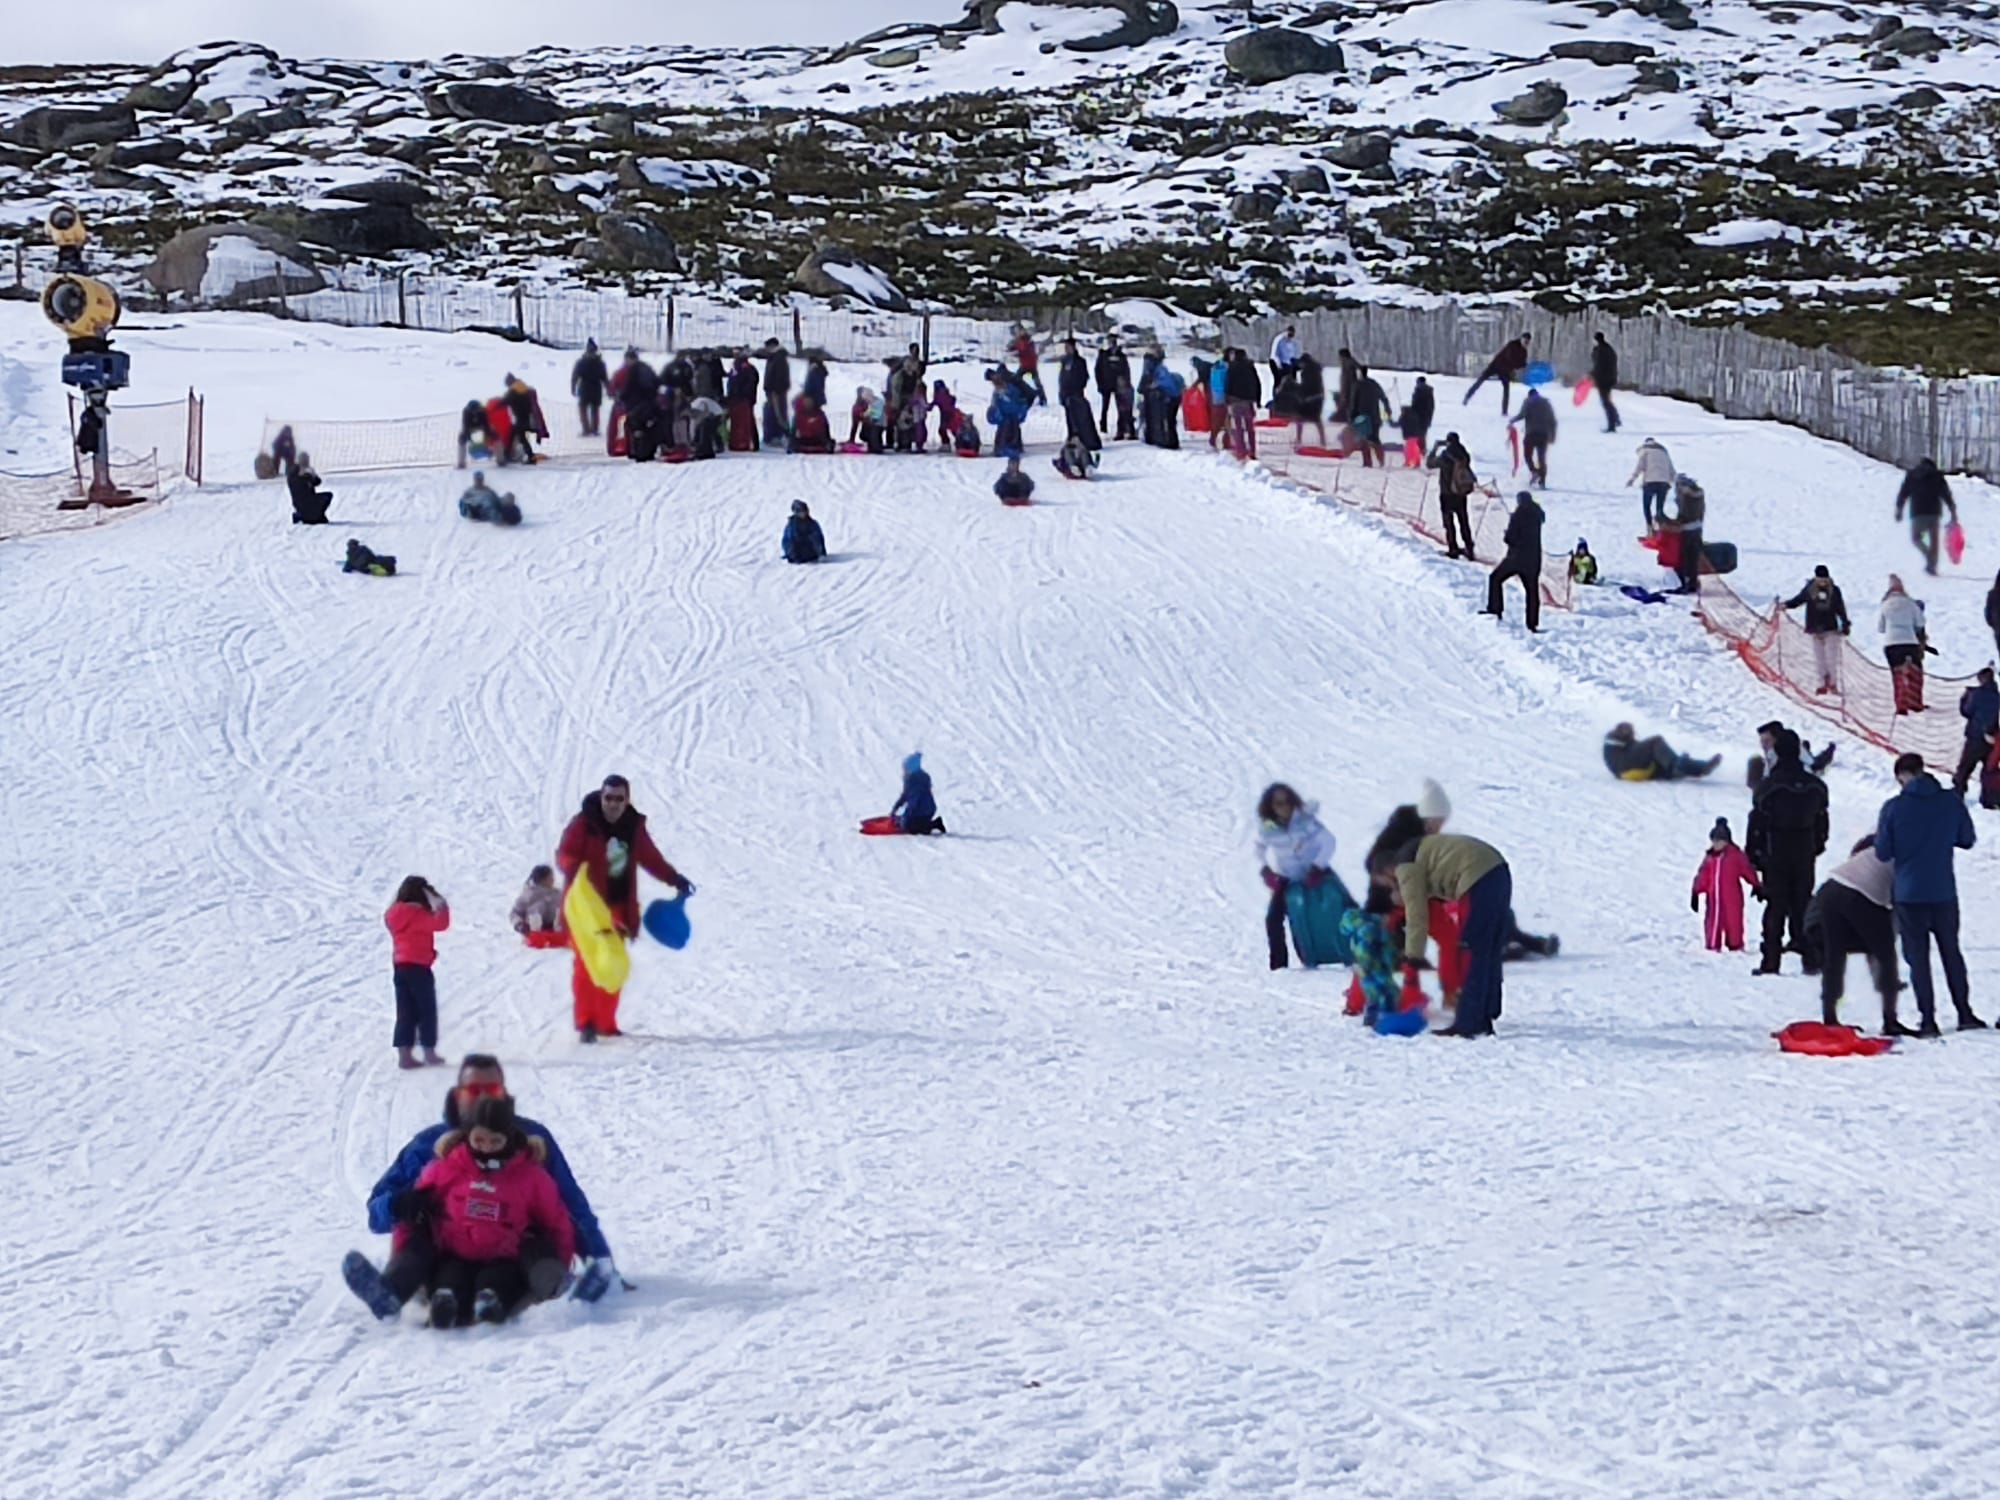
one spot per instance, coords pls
(993, 1165)
(1004, 167)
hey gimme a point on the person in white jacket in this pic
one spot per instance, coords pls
(1285, 351)
(1654, 474)
(539, 906)
(1295, 847)
(1902, 625)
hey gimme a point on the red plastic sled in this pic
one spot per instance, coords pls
(1016, 504)
(1583, 390)
(1817, 1039)
(1274, 421)
(885, 824)
(556, 939)
(1954, 543)
(853, 448)
(1313, 450)
(1650, 541)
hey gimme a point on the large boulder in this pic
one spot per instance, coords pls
(222, 263)
(1258, 206)
(833, 270)
(56, 127)
(498, 103)
(361, 228)
(1278, 52)
(626, 242)
(1539, 105)
(1913, 41)
(1604, 54)
(160, 151)
(1144, 20)
(396, 192)
(1361, 151)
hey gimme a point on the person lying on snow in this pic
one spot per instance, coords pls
(542, 1258)
(309, 501)
(810, 432)
(539, 906)
(916, 806)
(1075, 461)
(1630, 758)
(803, 542)
(1294, 847)
(480, 503)
(1725, 870)
(1014, 487)
(361, 559)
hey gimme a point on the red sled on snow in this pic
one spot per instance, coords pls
(616, 443)
(1817, 1039)
(1194, 409)
(877, 827)
(1954, 543)
(546, 938)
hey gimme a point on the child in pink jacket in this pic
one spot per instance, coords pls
(1724, 871)
(414, 919)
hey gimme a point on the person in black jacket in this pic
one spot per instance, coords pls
(1979, 706)
(1415, 420)
(777, 393)
(1927, 496)
(1113, 372)
(1072, 389)
(815, 385)
(1456, 482)
(1014, 487)
(1826, 623)
(1993, 611)
(1308, 390)
(1243, 394)
(1368, 415)
(1604, 375)
(1630, 758)
(309, 501)
(1787, 835)
(587, 379)
(1503, 367)
(1350, 376)
(1538, 430)
(1523, 561)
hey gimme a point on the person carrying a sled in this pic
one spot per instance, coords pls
(1927, 496)
(803, 541)
(1294, 847)
(480, 1078)
(1725, 870)
(607, 843)
(915, 810)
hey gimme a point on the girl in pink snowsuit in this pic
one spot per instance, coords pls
(1724, 871)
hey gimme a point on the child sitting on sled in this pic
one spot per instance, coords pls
(916, 809)
(539, 906)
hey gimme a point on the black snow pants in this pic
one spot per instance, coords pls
(1841, 921)
(1788, 889)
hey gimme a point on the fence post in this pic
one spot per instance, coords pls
(1934, 450)
(670, 320)
(20, 263)
(402, 304)
(798, 335)
(927, 338)
(520, 317)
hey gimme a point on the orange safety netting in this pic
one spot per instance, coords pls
(1775, 646)
(1407, 495)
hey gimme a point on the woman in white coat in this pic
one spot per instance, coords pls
(1295, 847)
(1902, 625)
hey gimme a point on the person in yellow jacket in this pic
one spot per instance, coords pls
(1452, 867)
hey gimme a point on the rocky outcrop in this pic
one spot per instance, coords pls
(833, 270)
(1144, 20)
(1604, 54)
(626, 242)
(1539, 105)
(55, 127)
(395, 192)
(1361, 151)
(363, 229)
(1278, 52)
(221, 263)
(495, 103)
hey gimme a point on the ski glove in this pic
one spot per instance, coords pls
(1274, 880)
(414, 1206)
(1694, 903)
(684, 887)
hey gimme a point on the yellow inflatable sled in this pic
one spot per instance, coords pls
(595, 936)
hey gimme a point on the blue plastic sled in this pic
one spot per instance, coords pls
(667, 922)
(1315, 919)
(1402, 1022)
(1540, 373)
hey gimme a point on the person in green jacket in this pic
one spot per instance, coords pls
(1451, 867)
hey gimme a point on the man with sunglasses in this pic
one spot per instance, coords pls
(608, 838)
(480, 1077)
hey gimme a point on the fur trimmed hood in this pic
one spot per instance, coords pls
(451, 1140)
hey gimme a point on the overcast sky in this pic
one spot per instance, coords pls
(148, 30)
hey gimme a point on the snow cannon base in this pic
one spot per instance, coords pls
(1818, 1039)
(666, 922)
(1315, 913)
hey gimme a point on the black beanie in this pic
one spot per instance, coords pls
(1720, 830)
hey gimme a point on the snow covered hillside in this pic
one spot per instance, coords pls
(992, 1165)
(1757, 158)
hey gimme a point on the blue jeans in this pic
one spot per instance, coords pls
(1917, 922)
(1489, 909)
(416, 1006)
(1653, 498)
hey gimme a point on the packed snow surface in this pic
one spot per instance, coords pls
(990, 1165)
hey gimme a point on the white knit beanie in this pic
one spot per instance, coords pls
(1433, 803)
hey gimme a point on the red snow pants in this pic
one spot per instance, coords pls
(591, 1005)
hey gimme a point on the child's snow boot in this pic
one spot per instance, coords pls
(366, 1283)
(444, 1308)
(593, 1283)
(431, 1058)
(406, 1058)
(488, 1308)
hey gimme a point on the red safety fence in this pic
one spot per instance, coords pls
(1409, 496)
(1775, 646)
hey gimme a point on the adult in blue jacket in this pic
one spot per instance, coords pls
(1979, 706)
(479, 1077)
(1920, 831)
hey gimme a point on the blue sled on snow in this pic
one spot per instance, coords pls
(1315, 919)
(666, 922)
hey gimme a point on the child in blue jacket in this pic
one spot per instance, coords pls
(916, 808)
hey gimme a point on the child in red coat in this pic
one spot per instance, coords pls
(478, 1202)
(414, 919)
(1724, 871)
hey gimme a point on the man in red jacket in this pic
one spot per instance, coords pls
(608, 838)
